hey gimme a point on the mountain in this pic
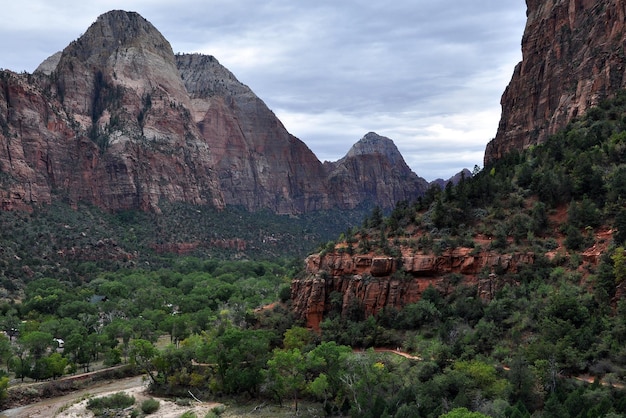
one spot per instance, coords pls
(572, 59)
(463, 174)
(118, 120)
(373, 168)
(110, 125)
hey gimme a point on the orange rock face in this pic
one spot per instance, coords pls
(572, 58)
(371, 280)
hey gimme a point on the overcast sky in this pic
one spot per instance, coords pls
(426, 73)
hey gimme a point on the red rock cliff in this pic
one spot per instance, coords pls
(371, 280)
(573, 56)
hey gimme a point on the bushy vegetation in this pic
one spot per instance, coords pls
(150, 406)
(548, 340)
(101, 406)
(74, 244)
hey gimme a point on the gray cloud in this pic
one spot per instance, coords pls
(426, 73)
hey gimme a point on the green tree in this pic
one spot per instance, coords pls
(619, 264)
(239, 356)
(142, 353)
(56, 364)
(285, 374)
(319, 387)
(365, 383)
(77, 347)
(5, 350)
(171, 360)
(620, 225)
(37, 343)
(328, 359)
(20, 363)
(4, 388)
(296, 337)
(483, 376)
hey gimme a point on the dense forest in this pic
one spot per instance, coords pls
(550, 343)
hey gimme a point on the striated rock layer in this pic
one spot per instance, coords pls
(372, 280)
(573, 57)
(117, 120)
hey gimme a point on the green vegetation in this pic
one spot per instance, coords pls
(102, 406)
(71, 245)
(150, 406)
(520, 349)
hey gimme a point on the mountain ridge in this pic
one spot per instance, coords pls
(153, 125)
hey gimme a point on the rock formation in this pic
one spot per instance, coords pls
(117, 120)
(109, 126)
(372, 170)
(374, 281)
(573, 57)
(260, 164)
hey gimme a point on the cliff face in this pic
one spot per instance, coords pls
(573, 57)
(260, 164)
(117, 120)
(371, 280)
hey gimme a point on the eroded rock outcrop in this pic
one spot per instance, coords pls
(573, 57)
(378, 281)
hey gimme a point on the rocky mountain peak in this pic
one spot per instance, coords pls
(372, 144)
(119, 29)
(120, 48)
(374, 171)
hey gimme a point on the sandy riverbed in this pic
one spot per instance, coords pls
(71, 406)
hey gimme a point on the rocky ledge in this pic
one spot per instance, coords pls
(377, 281)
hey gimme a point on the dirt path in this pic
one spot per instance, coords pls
(49, 407)
(398, 353)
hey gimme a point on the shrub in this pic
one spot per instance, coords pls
(118, 400)
(189, 414)
(218, 410)
(150, 406)
(284, 293)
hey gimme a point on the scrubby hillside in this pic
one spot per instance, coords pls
(455, 287)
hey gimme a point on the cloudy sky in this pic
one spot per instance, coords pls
(426, 73)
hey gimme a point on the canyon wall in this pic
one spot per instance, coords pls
(572, 58)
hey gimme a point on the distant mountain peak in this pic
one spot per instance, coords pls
(372, 144)
(118, 29)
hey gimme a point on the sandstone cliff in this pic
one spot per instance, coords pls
(376, 282)
(117, 120)
(573, 56)
(260, 164)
